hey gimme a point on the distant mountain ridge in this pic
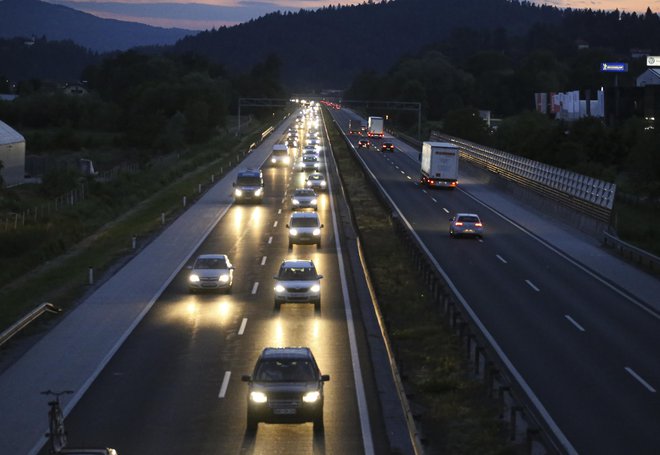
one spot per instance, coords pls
(26, 18)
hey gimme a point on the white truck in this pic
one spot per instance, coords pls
(375, 127)
(439, 164)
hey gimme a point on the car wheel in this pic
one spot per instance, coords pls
(318, 245)
(277, 305)
(317, 305)
(318, 422)
(192, 291)
(451, 233)
(290, 245)
(252, 423)
(228, 290)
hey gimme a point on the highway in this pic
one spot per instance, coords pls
(174, 385)
(585, 348)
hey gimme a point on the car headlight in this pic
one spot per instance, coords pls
(259, 397)
(315, 288)
(273, 160)
(238, 192)
(311, 397)
(316, 231)
(295, 202)
(279, 288)
(313, 202)
(259, 192)
(323, 183)
(193, 278)
(224, 278)
(309, 183)
(293, 231)
(316, 165)
(287, 160)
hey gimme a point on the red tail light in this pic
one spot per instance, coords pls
(477, 224)
(458, 223)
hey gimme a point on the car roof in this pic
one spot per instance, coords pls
(304, 215)
(467, 214)
(212, 256)
(303, 190)
(296, 352)
(253, 172)
(297, 263)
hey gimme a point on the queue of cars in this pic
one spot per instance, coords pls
(286, 385)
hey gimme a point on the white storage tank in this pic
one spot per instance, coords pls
(12, 155)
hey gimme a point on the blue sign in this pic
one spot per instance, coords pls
(614, 67)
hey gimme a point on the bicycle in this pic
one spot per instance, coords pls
(57, 432)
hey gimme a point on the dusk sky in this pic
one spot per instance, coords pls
(206, 14)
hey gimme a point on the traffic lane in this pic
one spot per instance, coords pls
(190, 311)
(528, 257)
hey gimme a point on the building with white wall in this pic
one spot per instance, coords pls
(12, 155)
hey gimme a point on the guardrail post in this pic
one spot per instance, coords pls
(513, 421)
(90, 275)
(134, 242)
(162, 217)
(199, 188)
(532, 435)
(185, 200)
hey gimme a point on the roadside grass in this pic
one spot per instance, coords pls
(457, 416)
(98, 232)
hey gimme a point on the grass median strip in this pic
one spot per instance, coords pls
(457, 416)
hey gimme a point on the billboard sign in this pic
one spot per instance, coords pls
(614, 67)
(652, 60)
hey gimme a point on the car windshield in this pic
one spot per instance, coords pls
(244, 180)
(304, 222)
(285, 370)
(297, 273)
(468, 219)
(315, 177)
(280, 152)
(309, 158)
(304, 193)
(210, 263)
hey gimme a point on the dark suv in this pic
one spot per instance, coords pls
(285, 387)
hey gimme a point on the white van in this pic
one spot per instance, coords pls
(280, 155)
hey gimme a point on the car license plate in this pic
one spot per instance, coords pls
(284, 411)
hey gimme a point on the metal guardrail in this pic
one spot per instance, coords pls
(27, 320)
(631, 252)
(489, 361)
(588, 195)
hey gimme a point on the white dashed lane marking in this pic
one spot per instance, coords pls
(574, 322)
(632, 373)
(225, 383)
(263, 260)
(255, 287)
(241, 330)
(531, 285)
(501, 259)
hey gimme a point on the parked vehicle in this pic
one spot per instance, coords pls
(439, 167)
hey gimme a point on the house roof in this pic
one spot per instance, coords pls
(8, 135)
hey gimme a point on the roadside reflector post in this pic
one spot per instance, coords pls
(134, 241)
(185, 200)
(162, 217)
(90, 275)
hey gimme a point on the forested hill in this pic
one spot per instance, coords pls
(327, 47)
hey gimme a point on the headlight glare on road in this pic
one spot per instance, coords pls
(193, 278)
(315, 288)
(258, 397)
(312, 397)
(279, 288)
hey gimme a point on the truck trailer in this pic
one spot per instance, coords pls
(375, 127)
(439, 167)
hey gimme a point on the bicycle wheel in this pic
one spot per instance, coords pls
(57, 432)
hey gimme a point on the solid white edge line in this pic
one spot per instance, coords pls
(640, 379)
(631, 298)
(263, 260)
(255, 286)
(92, 377)
(501, 259)
(566, 444)
(531, 285)
(241, 330)
(574, 322)
(225, 383)
(363, 410)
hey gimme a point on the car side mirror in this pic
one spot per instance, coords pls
(276, 277)
(189, 267)
(287, 225)
(451, 219)
(246, 378)
(231, 267)
(325, 377)
(318, 277)
(321, 225)
(233, 184)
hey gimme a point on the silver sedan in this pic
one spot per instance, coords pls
(466, 224)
